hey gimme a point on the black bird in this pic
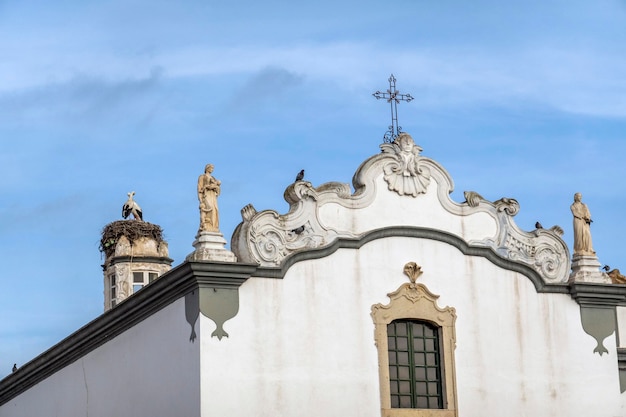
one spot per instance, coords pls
(300, 175)
(298, 230)
(15, 367)
(606, 268)
(538, 226)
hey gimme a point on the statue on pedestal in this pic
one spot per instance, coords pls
(210, 244)
(582, 230)
(208, 190)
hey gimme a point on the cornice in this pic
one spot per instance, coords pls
(168, 288)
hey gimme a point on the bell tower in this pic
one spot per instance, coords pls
(135, 255)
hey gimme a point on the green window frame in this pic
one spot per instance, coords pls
(415, 365)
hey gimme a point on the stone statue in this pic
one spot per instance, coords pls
(582, 230)
(208, 190)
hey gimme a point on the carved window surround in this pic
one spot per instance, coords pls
(415, 301)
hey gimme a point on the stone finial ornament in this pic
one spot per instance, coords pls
(615, 275)
(131, 207)
(582, 229)
(413, 271)
(405, 175)
(208, 191)
(472, 198)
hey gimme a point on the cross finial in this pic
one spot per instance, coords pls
(394, 97)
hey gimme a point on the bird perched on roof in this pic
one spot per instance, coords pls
(538, 226)
(298, 230)
(14, 367)
(131, 207)
(300, 175)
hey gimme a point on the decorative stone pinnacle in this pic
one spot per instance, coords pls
(413, 271)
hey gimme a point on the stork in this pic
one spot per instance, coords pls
(131, 207)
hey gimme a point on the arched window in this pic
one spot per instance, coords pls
(415, 365)
(415, 341)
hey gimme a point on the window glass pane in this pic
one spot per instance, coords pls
(419, 359)
(422, 402)
(431, 373)
(405, 387)
(137, 276)
(401, 329)
(420, 388)
(434, 402)
(420, 374)
(432, 388)
(418, 344)
(152, 276)
(394, 386)
(430, 344)
(137, 288)
(405, 402)
(403, 372)
(431, 359)
(391, 343)
(429, 331)
(403, 343)
(403, 358)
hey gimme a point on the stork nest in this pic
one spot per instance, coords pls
(132, 229)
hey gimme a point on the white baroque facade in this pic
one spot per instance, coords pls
(312, 318)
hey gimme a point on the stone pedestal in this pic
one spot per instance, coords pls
(211, 246)
(586, 268)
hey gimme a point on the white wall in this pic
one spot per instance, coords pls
(304, 345)
(150, 370)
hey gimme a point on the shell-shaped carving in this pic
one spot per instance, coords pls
(405, 175)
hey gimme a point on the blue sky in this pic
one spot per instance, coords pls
(522, 99)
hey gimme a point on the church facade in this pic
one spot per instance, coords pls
(385, 299)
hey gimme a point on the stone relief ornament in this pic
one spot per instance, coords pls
(472, 198)
(319, 216)
(405, 175)
(413, 271)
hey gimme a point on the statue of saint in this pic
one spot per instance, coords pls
(208, 190)
(582, 230)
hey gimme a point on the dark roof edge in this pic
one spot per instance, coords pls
(168, 288)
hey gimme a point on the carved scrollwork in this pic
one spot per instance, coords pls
(508, 205)
(548, 262)
(538, 251)
(405, 175)
(269, 245)
(518, 248)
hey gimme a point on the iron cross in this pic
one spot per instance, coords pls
(394, 97)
